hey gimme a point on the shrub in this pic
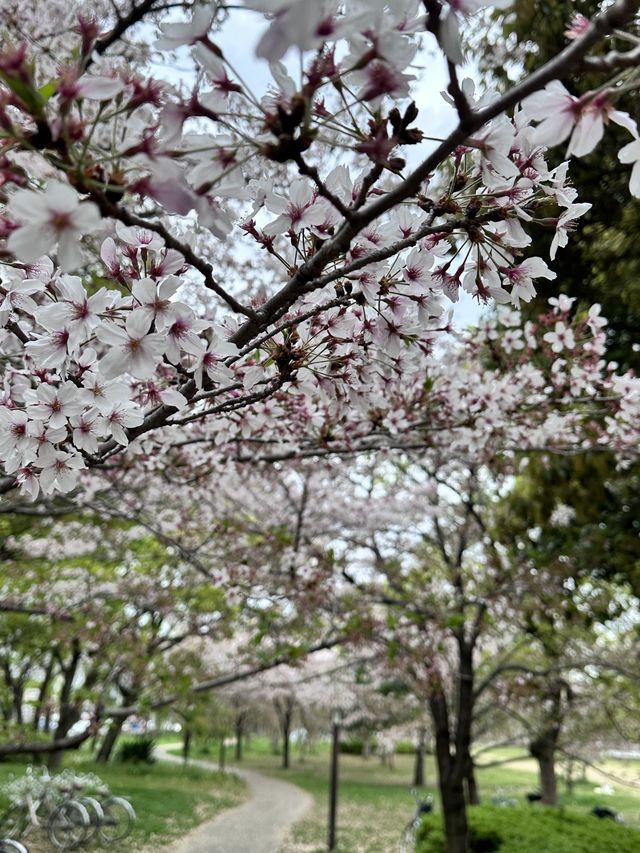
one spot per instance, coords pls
(405, 747)
(516, 830)
(355, 746)
(138, 751)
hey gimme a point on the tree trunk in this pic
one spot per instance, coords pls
(43, 692)
(285, 707)
(455, 817)
(15, 685)
(418, 767)
(222, 755)
(543, 750)
(453, 749)
(366, 746)
(450, 780)
(569, 777)
(18, 696)
(543, 747)
(240, 720)
(69, 713)
(109, 740)
(186, 744)
(473, 795)
(286, 732)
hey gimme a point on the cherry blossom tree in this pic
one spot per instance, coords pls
(92, 610)
(134, 206)
(203, 272)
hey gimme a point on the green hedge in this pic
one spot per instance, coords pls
(355, 746)
(533, 830)
(137, 751)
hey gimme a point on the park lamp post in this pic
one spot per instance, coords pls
(333, 780)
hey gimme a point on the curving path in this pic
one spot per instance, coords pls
(259, 825)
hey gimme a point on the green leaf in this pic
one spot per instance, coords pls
(30, 97)
(48, 90)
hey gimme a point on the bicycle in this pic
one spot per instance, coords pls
(69, 781)
(42, 802)
(424, 805)
(111, 817)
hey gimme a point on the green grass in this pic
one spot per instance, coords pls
(168, 800)
(375, 802)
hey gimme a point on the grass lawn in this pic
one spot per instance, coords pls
(375, 802)
(168, 800)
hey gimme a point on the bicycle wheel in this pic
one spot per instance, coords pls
(68, 825)
(10, 845)
(118, 819)
(96, 815)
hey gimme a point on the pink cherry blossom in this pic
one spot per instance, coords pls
(561, 114)
(578, 26)
(54, 405)
(59, 470)
(17, 297)
(154, 300)
(560, 338)
(182, 334)
(55, 217)
(75, 312)
(176, 34)
(298, 212)
(88, 429)
(131, 350)
(120, 417)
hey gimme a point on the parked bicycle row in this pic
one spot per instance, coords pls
(72, 809)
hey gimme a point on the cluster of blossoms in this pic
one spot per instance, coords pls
(118, 188)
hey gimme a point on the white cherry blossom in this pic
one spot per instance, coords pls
(176, 34)
(631, 154)
(88, 429)
(59, 470)
(131, 350)
(560, 338)
(565, 224)
(52, 218)
(54, 405)
(299, 211)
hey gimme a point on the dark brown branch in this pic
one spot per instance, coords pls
(311, 172)
(465, 113)
(124, 23)
(45, 747)
(15, 329)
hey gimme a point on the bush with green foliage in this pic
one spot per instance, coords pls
(354, 746)
(138, 751)
(405, 747)
(522, 830)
